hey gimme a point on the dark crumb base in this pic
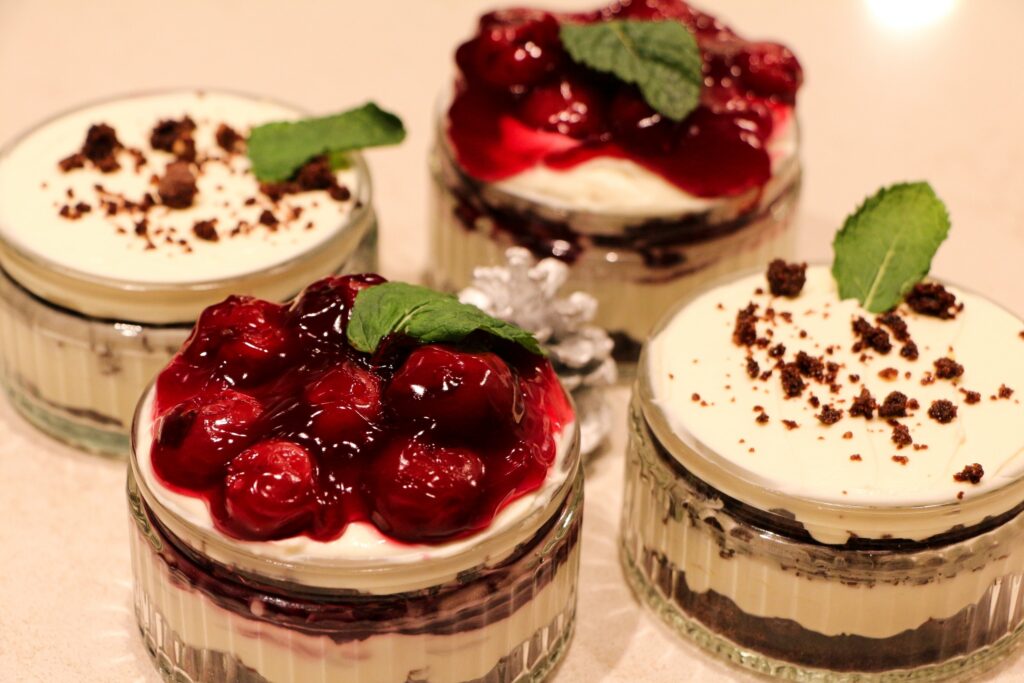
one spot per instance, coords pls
(935, 641)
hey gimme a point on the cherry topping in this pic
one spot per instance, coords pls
(721, 155)
(242, 338)
(513, 50)
(457, 390)
(269, 489)
(323, 309)
(568, 106)
(195, 439)
(345, 399)
(770, 69)
(423, 491)
(639, 126)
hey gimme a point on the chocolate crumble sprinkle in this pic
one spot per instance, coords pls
(894, 405)
(69, 163)
(745, 332)
(901, 459)
(871, 337)
(316, 174)
(888, 374)
(762, 418)
(790, 425)
(177, 187)
(792, 383)
(829, 415)
(909, 351)
(753, 369)
(847, 435)
(786, 279)
(972, 473)
(228, 139)
(268, 218)
(897, 324)
(942, 411)
(901, 435)
(101, 144)
(1005, 391)
(970, 397)
(810, 366)
(695, 398)
(856, 457)
(175, 137)
(777, 351)
(947, 368)
(864, 405)
(931, 298)
(206, 231)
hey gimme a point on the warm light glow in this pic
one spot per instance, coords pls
(909, 14)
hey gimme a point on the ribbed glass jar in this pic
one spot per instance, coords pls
(636, 266)
(501, 610)
(753, 587)
(77, 349)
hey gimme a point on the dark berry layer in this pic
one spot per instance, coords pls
(284, 429)
(521, 101)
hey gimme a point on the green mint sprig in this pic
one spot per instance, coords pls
(886, 246)
(660, 57)
(277, 150)
(424, 315)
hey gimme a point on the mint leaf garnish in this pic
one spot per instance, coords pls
(660, 57)
(886, 246)
(425, 315)
(277, 150)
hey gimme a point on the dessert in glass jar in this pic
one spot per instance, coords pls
(315, 501)
(822, 493)
(121, 220)
(548, 142)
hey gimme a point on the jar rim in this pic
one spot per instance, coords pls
(105, 297)
(826, 520)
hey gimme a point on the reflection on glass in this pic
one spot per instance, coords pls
(909, 14)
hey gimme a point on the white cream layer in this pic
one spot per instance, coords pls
(694, 354)
(621, 186)
(33, 188)
(362, 544)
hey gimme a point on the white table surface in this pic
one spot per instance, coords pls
(884, 101)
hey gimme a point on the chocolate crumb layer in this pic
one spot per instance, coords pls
(786, 279)
(972, 473)
(931, 298)
(942, 411)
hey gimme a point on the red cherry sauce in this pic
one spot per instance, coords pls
(284, 429)
(521, 101)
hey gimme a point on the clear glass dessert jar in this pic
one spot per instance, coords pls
(100, 281)
(498, 608)
(813, 600)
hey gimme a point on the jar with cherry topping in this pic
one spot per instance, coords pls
(842, 503)
(307, 512)
(121, 220)
(536, 151)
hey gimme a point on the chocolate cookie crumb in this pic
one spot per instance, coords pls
(753, 369)
(745, 332)
(810, 366)
(268, 218)
(847, 435)
(175, 137)
(931, 298)
(786, 279)
(947, 368)
(205, 230)
(942, 411)
(792, 383)
(695, 397)
(864, 405)
(901, 459)
(970, 397)
(897, 324)
(228, 139)
(1005, 391)
(959, 495)
(972, 473)
(177, 187)
(894, 405)
(909, 351)
(888, 374)
(790, 424)
(829, 415)
(101, 144)
(871, 336)
(856, 457)
(901, 435)
(777, 351)
(69, 163)
(762, 418)
(316, 174)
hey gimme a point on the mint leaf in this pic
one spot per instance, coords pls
(425, 315)
(277, 150)
(660, 57)
(886, 246)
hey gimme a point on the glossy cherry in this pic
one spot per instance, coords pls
(514, 49)
(770, 70)
(269, 489)
(322, 310)
(345, 400)
(195, 439)
(568, 106)
(422, 490)
(638, 126)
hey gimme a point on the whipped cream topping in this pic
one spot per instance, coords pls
(621, 186)
(169, 249)
(362, 546)
(698, 380)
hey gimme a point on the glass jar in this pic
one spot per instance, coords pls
(636, 264)
(78, 347)
(500, 608)
(751, 584)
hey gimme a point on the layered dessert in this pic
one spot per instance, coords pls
(813, 485)
(120, 221)
(315, 501)
(646, 144)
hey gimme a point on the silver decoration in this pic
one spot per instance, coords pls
(525, 293)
